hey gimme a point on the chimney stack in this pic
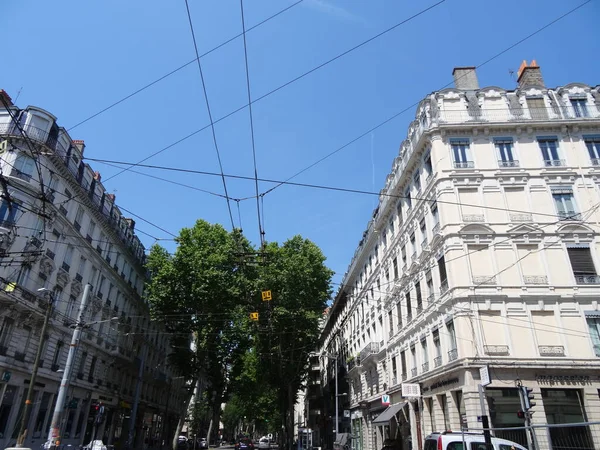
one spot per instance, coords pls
(529, 75)
(97, 176)
(465, 78)
(6, 97)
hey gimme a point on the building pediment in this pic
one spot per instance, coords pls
(526, 234)
(574, 89)
(477, 233)
(576, 232)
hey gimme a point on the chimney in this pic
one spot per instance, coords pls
(80, 145)
(6, 97)
(130, 223)
(465, 78)
(97, 176)
(111, 197)
(529, 75)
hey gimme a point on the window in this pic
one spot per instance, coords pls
(593, 321)
(78, 218)
(70, 306)
(413, 357)
(565, 203)
(391, 322)
(42, 412)
(407, 198)
(6, 332)
(93, 367)
(68, 257)
(81, 268)
(504, 149)
(423, 228)
(549, 149)
(593, 145)
(442, 271)
(8, 212)
(93, 276)
(537, 108)
(425, 353)
(82, 364)
(451, 335)
(417, 180)
(582, 265)
(419, 297)
(92, 228)
(460, 153)
(23, 167)
(579, 107)
(408, 307)
(391, 223)
(430, 286)
(399, 314)
(427, 165)
(56, 357)
(23, 276)
(395, 264)
(403, 254)
(403, 362)
(437, 347)
(413, 245)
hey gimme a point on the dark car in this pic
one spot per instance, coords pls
(244, 444)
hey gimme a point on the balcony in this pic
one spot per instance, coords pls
(425, 367)
(413, 372)
(436, 229)
(484, 280)
(35, 242)
(496, 350)
(587, 279)
(453, 354)
(370, 349)
(20, 356)
(430, 299)
(50, 254)
(473, 218)
(437, 361)
(504, 164)
(535, 279)
(464, 164)
(403, 377)
(551, 350)
(521, 217)
(413, 257)
(424, 244)
(65, 267)
(554, 163)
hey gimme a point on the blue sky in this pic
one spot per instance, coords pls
(74, 58)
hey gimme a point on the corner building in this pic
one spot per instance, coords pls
(60, 235)
(484, 250)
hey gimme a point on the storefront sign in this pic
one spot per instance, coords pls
(385, 400)
(563, 379)
(411, 390)
(441, 384)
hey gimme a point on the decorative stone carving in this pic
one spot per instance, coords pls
(47, 266)
(62, 278)
(76, 288)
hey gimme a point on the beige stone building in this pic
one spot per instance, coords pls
(484, 250)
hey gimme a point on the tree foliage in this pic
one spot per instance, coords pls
(204, 293)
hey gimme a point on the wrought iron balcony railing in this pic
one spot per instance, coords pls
(453, 354)
(464, 164)
(513, 163)
(496, 350)
(587, 279)
(437, 361)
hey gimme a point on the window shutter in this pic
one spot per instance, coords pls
(581, 260)
(442, 269)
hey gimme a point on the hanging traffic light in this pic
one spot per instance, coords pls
(521, 414)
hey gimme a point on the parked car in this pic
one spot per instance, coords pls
(182, 443)
(264, 442)
(244, 444)
(453, 440)
(203, 443)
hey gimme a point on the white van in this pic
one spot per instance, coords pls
(473, 441)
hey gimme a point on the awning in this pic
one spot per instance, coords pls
(386, 416)
(341, 442)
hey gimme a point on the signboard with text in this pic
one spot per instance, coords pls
(385, 400)
(411, 390)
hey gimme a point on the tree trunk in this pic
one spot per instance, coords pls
(183, 416)
(290, 416)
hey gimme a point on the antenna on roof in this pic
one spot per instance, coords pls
(511, 72)
(18, 93)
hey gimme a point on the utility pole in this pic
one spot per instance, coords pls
(36, 364)
(136, 399)
(54, 433)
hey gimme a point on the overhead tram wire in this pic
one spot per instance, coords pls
(410, 107)
(318, 186)
(152, 83)
(287, 83)
(261, 231)
(76, 200)
(212, 123)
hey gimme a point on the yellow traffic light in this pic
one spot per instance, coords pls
(253, 316)
(266, 296)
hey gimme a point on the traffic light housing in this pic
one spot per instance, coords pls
(528, 398)
(520, 414)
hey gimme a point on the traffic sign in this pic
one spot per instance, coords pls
(484, 375)
(253, 316)
(10, 287)
(411, 390)
(385, 400)
(266, 296)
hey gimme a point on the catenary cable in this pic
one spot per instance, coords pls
(212, 123)
(281, 11)
(299, 77)
(261, 231)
